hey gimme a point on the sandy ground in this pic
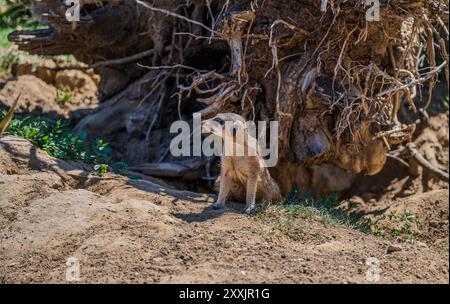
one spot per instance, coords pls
(134, 231)
(139, 231)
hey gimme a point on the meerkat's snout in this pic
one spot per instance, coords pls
(212, 126)
(224, 124)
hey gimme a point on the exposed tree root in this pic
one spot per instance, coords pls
(333, 80)
(414, 153)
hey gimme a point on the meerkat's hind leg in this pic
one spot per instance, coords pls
(252, 184)
(224, 190)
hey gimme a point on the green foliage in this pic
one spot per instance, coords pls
(288, 215)
(55, 138)
(409, 223)
(101, 169)
(406, 224)
(120, 165)
(378, 231)
(16, 13)
(58, 141)
(4, 43)
(3, 280)
(63, 95)
(446, 102)
(7, 61)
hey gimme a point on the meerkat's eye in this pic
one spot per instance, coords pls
(219, 120)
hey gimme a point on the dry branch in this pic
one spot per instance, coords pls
(414, 153)
(8, 117)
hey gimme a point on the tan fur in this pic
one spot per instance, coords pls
(244, 175)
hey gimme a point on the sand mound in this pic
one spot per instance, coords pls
(123, 230)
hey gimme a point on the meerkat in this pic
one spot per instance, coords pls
(241, 174)
(135, 122)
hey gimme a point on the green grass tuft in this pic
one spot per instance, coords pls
(288, 215)
(398, 224)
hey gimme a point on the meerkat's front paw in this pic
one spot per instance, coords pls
(249, 209)
(218, 206)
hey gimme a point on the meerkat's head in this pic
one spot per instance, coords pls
(217, 125)
(135, 122)
(235, 133)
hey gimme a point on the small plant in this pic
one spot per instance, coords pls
(378, 231)
(406, 224)
(63, 95)
(446, 102)
(409, 223)
(7, 61)
(101, 169)
(3, 280)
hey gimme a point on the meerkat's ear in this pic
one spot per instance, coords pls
(219, 120)
(239, 125)
(211, 126)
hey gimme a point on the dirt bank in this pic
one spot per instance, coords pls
(124, 230)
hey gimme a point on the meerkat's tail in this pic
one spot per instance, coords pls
(273, 190)
(217, 184)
